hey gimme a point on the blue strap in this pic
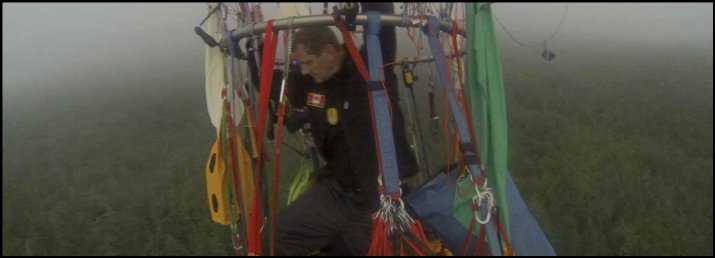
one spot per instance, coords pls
(386, 142)
(464, 138)
(231, 50)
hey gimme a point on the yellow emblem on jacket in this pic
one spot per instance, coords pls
(332, 115)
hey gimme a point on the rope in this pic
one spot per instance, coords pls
(281, 111)
(269, 48)
(227, 136)
(566, 11)
(558, 28)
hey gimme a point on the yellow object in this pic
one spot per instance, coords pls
(245, 175)
(332, 114)
(216, 182)
(216, 187)
(436, 247)
(408, 77)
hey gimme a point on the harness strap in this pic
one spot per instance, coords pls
(279, 134)
(228, 127)
(269, 53)
(379, 107)
(383, 122)
(462, 128)
(354, 53)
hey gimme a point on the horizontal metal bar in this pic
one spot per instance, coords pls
(326, 20)
(423, 59)
(397, 62)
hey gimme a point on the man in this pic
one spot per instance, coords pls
(330, 95)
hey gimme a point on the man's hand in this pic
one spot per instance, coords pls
(296, 119)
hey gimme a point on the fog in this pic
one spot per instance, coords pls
(47, 43)
(51, 43)
(611, 21)
(106, 132)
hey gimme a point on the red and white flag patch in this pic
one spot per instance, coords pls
(316, 100)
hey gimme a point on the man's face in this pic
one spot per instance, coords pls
(321, 67)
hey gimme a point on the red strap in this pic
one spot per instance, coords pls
(277, 159)
(379, 244)
(269, 53)
(234, 170)
(352, 49)
(467, 237)
(276, 173)
(505, 237)
(480, 241)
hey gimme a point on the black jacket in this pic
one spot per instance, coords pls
(338, 111)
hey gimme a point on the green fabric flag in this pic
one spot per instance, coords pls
(485, 92)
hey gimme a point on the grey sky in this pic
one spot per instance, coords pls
(610, 21)
(59, 40)
(45, 42)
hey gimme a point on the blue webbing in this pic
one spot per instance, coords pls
(462, 129)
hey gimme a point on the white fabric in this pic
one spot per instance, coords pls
(214, 70)
(215, 66)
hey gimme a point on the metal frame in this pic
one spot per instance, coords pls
(327, 20)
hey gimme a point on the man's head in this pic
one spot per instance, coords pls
(317, 51)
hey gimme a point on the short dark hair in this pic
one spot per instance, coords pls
(315, 38)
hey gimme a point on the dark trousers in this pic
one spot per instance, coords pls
(325, 215)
